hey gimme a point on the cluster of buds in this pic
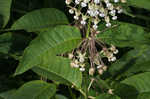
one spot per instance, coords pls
(109, 53)
(94, 11)
(78, 61)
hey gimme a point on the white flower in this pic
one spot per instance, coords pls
(83, 4)
(99, 66)
(81, 59)
(93, 12)
(108, 24)
(102, 15)
(120, 11)
(82, 69)
(76, 17)
(113, 59)
(68, 2)
(75, 65)
(71, 11)
(95, 26)
(83, 22)
(86, 1)
(112, 12)
(116, 1)
(116, 51)
(114, 18)
(96, 1)
(106, 1)
(77, 1)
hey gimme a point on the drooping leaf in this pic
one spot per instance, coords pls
(107, 96)
(40, 19)
(140, 3)
(35, 90)
(140, 82)
(5, 7)
(134, 61)
(43, 50)
(124, 35)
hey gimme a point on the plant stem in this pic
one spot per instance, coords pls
(88, 30)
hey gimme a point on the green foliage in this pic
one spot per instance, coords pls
(36, 37)
(107, 96)
(40, 19)
(5, 6)
(125, 35)
(140, 3)
(42, 90)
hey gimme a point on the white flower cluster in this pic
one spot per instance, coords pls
(109, 53)
(95, 10)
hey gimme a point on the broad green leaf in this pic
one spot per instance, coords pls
(35, 90)
(139, 81)
(124, 35)
(59, 69)
(134, 61)
(40, 19)
(140, 3)
(43, 50)
(5, 6)
(145, 95)
(107, 96)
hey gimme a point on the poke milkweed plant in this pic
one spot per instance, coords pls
(74, 49)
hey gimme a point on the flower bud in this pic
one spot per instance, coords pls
(91, 71)
(70, 56)
(104, 68)
(123, 1)
(110, 91)
(68, 2)
(100, 71)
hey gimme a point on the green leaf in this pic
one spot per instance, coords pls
(125, 91)
(134, 61)
(140, 82)
(107, 96)
(40, 19)
(43, 50)
(59, 69)
(5, 43)
(124, 35)
(140, 3)
(35, 90)
(7, 94)
(5, 6)
(145, 95)
(58, 96)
